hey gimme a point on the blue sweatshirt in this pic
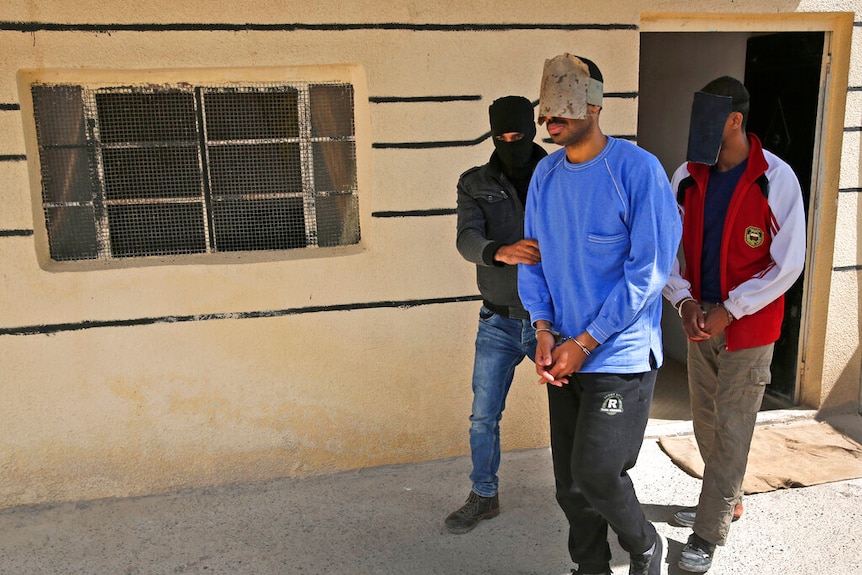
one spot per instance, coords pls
(608, 230)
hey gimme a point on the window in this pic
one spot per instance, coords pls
(176, 168)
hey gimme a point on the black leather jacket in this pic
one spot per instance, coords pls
(491, 215)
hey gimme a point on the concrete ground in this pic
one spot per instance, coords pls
(389, 520)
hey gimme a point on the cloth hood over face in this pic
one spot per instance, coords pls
(709, 112)
(569, 83)
(513, 114)
(706, 129)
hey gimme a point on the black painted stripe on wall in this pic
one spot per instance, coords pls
(49, 329)
(428, 145)
(295, 27)
(413, 99)
(414, 213)
(15, 233)
(466, 98)
(13, 158)
(9, 107)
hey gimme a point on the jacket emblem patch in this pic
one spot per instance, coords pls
(754, 236)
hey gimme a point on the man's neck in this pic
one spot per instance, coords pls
(587, 149)
(733, 152)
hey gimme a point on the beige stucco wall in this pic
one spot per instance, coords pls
(112, 411)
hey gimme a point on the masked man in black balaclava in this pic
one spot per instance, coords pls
(490, 234)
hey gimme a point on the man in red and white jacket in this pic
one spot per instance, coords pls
(744, 246)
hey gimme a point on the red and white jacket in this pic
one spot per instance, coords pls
(762, 245)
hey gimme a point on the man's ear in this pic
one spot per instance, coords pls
(736, 120)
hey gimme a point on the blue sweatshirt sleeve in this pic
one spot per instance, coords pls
(655, 230)
(532, 286)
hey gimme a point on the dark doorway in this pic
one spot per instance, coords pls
(782, 73)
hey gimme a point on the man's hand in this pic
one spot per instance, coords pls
(716, 320)
(545, 343)
(524, 251)
(559, 362)
(694, 321)
(563, 362)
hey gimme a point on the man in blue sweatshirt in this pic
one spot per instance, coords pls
(606, 222)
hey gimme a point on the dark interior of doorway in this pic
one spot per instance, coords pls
(782, 73)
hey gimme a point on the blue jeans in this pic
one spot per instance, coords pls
(501, 344)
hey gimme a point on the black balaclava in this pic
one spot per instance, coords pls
(513, 114)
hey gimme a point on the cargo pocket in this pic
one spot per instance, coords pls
(758, 378)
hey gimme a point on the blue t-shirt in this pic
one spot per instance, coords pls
(719, 190)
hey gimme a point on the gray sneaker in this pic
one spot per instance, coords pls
(697, 555)
(472, 512)
(685, 517)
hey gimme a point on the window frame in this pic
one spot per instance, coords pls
(208, 80)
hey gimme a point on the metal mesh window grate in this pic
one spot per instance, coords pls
(169, 170)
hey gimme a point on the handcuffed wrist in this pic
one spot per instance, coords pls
(550, 331)
(579, 344)
(682, 302)
(730, 317)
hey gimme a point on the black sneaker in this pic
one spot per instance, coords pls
(650, 563)
(697, 555)
(471, 513)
